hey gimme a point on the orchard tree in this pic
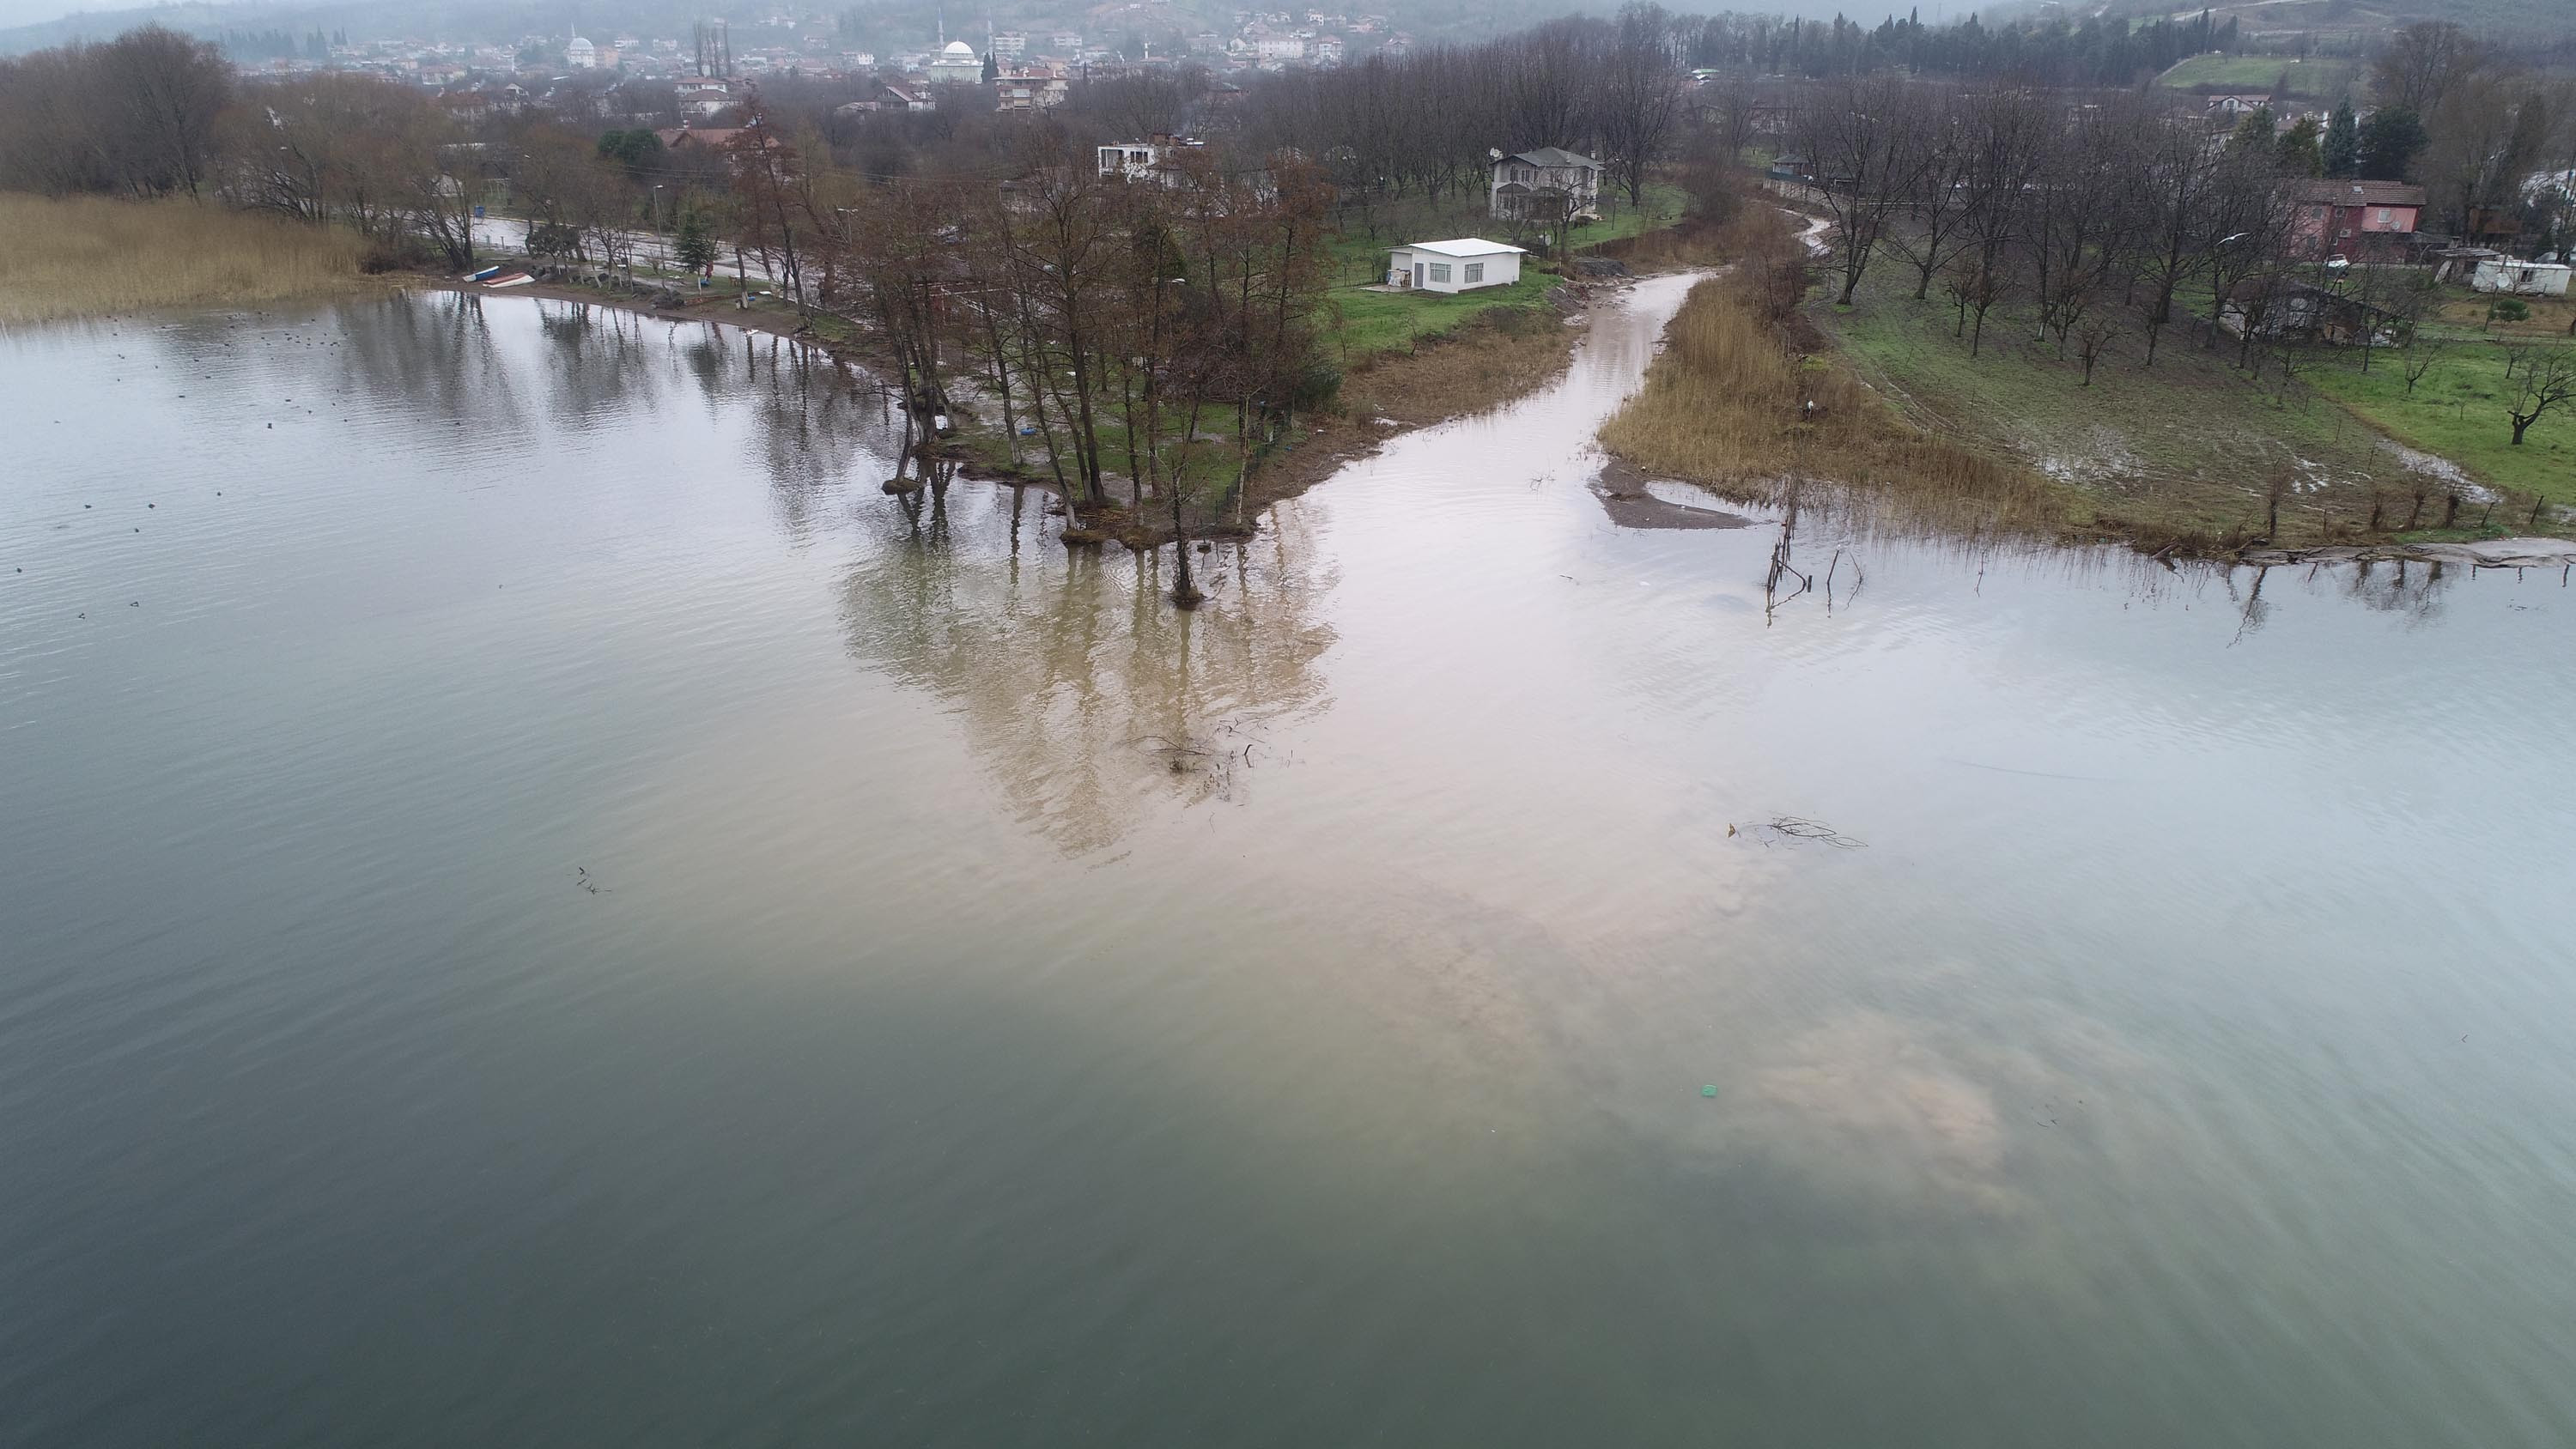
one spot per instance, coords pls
(2542, 383)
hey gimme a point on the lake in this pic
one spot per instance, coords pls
(541, 907)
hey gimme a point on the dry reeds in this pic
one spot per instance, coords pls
(92, 256)
(1748, 400)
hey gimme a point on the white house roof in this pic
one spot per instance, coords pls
(1553, 156)
(1465, 246)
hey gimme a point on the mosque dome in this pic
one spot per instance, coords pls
(958, 48)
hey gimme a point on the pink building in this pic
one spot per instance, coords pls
(2356, 218)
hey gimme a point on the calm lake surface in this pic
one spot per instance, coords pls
(538, 907)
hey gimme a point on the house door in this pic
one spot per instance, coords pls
(1417, 274)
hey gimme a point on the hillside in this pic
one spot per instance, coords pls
(2322, 80)
(2365, 21)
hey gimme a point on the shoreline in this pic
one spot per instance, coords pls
(1484, 365)
(748, 319)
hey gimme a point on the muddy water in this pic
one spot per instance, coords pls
(540, 907)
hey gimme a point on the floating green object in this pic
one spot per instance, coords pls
(1709, 1091)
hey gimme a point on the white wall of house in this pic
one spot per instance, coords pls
(1441, 272)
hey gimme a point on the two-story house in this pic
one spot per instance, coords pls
(1544, 184)
(2356, 219)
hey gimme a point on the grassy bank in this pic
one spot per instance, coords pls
(2187, 446)
(2457, 410)
(97, 257)
(1373, 324)
(2187, 451)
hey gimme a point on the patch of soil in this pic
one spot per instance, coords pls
(1622, 491)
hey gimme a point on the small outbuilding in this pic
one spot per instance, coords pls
(1462, 265)
(2523, 279)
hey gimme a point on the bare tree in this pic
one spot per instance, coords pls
(1637, 99)
(1862, 136)
(166, 90)
(2007, 135)
(2423, 64)
(2093, 337)
(2544, 382)
(2180, 180)
(2420, 357)
(2082, 217)
(1932, 225)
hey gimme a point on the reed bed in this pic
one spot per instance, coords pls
(101, 257)
(1748, 400)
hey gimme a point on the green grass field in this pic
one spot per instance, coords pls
(2322, 79)
(2458, 411)
(1373, 323)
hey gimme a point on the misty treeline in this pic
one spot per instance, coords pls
(1422, 125)
(2485, 120)
(2089, 52)
(155, 113)
(133, 115)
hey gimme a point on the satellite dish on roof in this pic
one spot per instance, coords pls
(1494, 152)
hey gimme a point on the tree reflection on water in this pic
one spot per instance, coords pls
(1087, 697)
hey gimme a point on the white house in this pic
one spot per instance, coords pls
(2528, 279)
(1539, 185)
(1143, 160)
(1462, 265)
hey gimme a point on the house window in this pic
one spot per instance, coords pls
(1439, 271)
(2383, 216)
(1475, 271)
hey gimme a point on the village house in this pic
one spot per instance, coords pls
(703, 96)
(2278, 307)
(699, 138)
(1462, 265)
(2234, 107)
(1144, 160)
(890, 97)
(2356, 219)
(1544, 184)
